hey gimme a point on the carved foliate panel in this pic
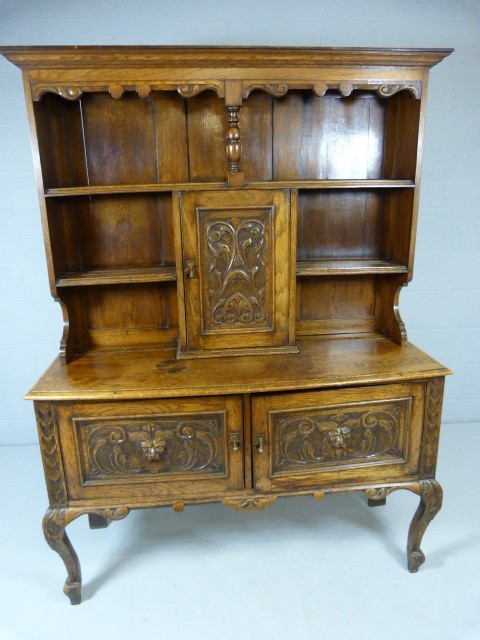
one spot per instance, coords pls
(173, 445)
(307, 439)
(235, 248)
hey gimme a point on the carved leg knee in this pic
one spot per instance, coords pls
(54, 524)
(430, 503)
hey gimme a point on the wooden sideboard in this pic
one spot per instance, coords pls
(227, 232)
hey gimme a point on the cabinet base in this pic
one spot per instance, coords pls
(57, 518)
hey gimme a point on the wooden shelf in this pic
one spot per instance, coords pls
(332, 184)
(167, 274)
(116, 276)
(200, 186)
(348, 267)
(112, 189)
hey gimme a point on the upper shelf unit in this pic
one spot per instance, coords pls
(119, 129)
(301, 138)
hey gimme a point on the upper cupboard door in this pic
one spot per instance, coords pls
(236, 268)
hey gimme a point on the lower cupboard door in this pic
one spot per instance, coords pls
(365, 434)
(156, 450)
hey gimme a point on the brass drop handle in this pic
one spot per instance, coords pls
(235, 441)
(260, 442)
(190, 269)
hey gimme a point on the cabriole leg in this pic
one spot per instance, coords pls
(430, 503)
(54, 524)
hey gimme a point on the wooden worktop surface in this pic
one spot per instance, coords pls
(157, 373)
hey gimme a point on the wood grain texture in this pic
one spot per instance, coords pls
(350, 267)
(206, 124)
(207, 56)
(109, 128)
(335, 304)
(130, 231)
(128, 315)
(339, 224)
(328, 137)
(110, 189)
(433, 414)
(156, 373)
(93, 277)
(59, 128)
(171, 138)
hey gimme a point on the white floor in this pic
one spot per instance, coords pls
(297, 570)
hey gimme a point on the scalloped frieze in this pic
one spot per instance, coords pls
(387, 90)
(276, 90)
(69, 93)
(191, 90)
(65, 91)
(344, 87)
(116, 89)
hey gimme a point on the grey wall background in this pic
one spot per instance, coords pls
(441, 307)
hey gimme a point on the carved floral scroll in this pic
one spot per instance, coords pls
(311, 437)
(137, 447)
(236, 250)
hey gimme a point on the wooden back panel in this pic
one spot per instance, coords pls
(166, 138)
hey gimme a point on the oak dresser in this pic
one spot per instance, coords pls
(227, 232)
